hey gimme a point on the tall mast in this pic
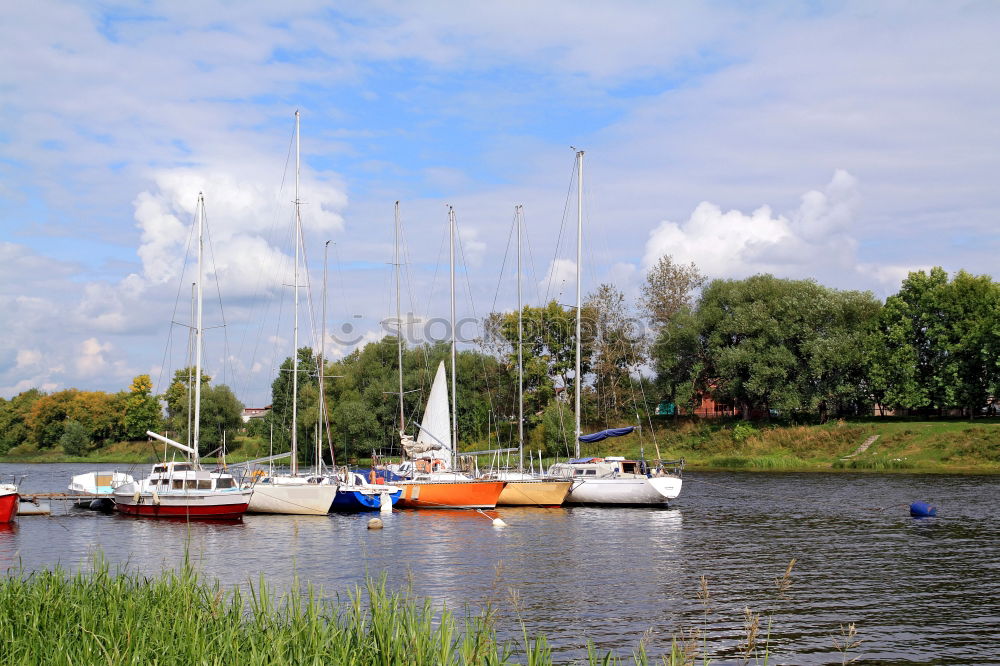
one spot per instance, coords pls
(399, 322)
(579, 304)
(295, 335)
(518, 212)
(198, 329)
(454, 390)
(190, 352)
(322, 372)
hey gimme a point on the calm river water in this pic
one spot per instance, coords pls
(919, 591)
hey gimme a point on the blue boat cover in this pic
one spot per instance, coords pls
(604, 434)
(577, 461)
(382, 473)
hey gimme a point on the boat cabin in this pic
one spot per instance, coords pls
(600, 468)
(185, 476)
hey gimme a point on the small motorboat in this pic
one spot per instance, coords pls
(95, 489)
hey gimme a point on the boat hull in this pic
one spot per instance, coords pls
(301, 500)
(356, 500)
(449, 494)
(638, 491)
(215, 504)
(8, 505)
(534, 493)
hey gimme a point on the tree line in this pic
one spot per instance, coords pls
(764, 346)
(770, 346)
(78, 422)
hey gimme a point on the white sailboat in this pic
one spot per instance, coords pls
(183, 489)
(611, 480)
(292, 493)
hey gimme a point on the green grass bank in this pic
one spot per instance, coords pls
(903, 445)
(914, 446)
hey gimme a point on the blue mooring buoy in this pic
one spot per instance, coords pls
(922, 510)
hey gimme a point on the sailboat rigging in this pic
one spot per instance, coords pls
(611, 480)
(430, 479)
(292, 493)
(179, 489)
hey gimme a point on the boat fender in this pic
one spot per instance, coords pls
(375, 524)
(922, 510)
(156, 497)
(135, 496)
(497, 522)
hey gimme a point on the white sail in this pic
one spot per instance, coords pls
(435, 429)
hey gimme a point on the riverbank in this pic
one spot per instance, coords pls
(901, 445)
(911, 446)
(137, 452)
(178, 618)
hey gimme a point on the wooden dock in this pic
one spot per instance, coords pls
(40, 504)
(59, 497)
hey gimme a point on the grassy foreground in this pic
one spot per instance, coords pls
(101, 617)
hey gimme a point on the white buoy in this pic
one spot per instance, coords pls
(375, 524)
(497, 522)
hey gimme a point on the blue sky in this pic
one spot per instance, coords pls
(848, 142)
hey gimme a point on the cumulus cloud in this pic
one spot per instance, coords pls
(27, 358)
(814, 240)
(559, 279)
(91, 360)
(242, 213)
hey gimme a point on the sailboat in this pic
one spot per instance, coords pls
(292, 493)
(523, 488)
(609, 480)
(429, 479)
(183, 489)
(354, 491)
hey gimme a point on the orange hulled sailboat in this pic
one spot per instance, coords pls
(429, 481)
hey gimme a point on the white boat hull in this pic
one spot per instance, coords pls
(181, 503)
(302, 500)
(643, 491)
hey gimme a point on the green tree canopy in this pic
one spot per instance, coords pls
(766, 343)
(939, 342)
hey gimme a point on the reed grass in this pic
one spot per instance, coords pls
(105, 617)
(875, 463)
(769, 462)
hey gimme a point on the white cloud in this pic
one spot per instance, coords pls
(28, 357)
(559, 280)
(814, 240)
(91, 359)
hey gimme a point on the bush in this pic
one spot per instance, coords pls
(743, 432)
(75, 440)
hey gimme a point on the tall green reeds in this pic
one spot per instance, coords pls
(105, 617)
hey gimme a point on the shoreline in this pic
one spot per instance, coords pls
(871, 445)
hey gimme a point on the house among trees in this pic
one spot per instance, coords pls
(250, 413)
